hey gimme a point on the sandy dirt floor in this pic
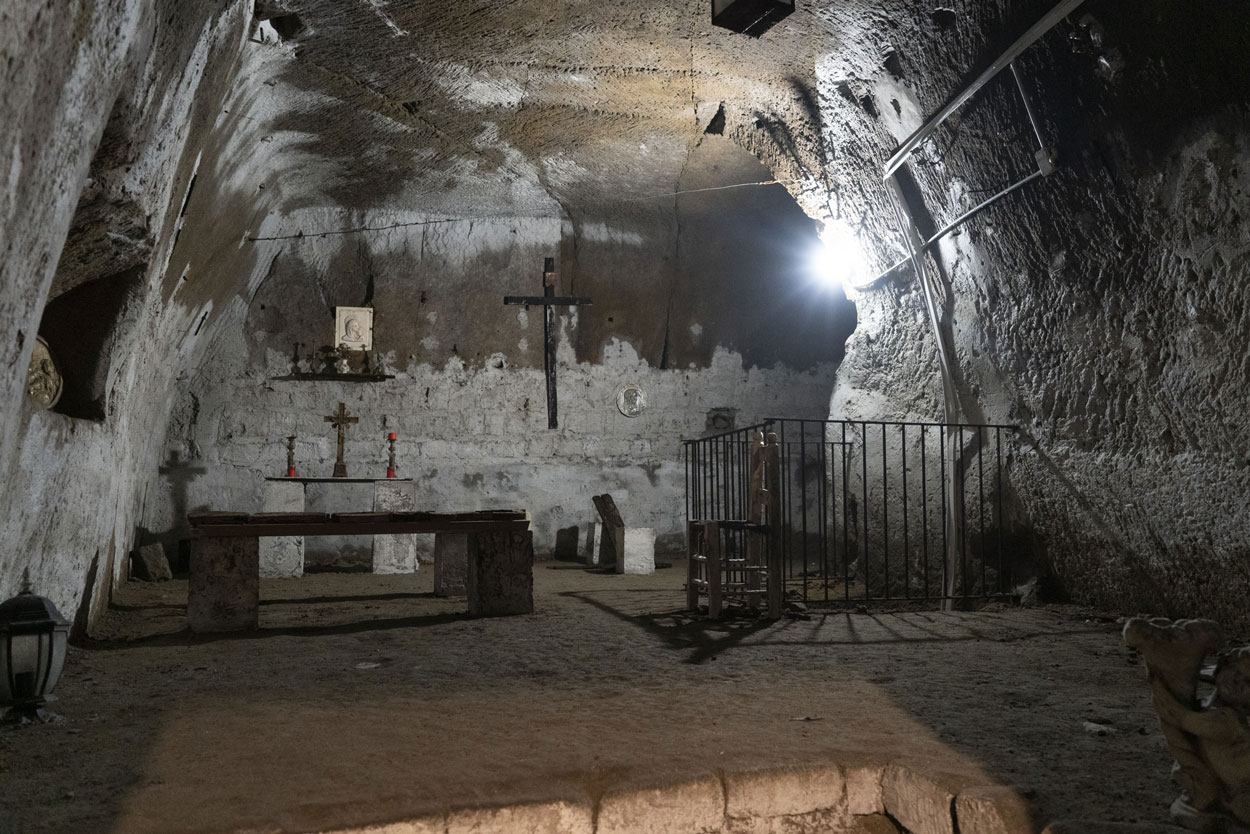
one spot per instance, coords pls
(366, 699)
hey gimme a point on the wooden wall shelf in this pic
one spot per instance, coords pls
(311, 377)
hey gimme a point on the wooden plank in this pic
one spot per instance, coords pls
(356, 518)
(547, 300)
(357, 528)
(475, 515)
(288, 518)
(608, 512)
(756, 496)
(772, 482)
(711, 548)
(692, 566)
(216, 518)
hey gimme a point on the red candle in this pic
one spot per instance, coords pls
(392, 436)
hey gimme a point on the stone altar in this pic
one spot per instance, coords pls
(283, 556)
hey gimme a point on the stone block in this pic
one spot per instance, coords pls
(394, 554)
(223, 593)
(420, 825)
(872, 824)
(149, 563)
(535, 818)
(282, 557)
(863, 783)
(500, 579)
(566, 544)
(922, 800)
(639, 551)
(785, 791)
(993, 809)
(695, 806)
(451, 564)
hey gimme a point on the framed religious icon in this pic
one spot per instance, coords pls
(353, 327)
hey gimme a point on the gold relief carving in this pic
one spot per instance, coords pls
(43, 380)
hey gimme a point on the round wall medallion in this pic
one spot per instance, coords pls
(631, 401)
(43, 380)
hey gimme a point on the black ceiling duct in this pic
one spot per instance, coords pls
(749, 17)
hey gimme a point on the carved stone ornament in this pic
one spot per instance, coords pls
(1208, 735)
(43, 380)
(630, 400)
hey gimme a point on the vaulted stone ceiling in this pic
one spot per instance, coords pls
(589, 103)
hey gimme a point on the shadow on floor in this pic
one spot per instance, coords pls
(681, 630)
(186, 637)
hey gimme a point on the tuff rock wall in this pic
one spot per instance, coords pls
(1102, 310)
(104, 109)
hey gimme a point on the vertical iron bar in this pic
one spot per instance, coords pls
(906, 533)
(924, 509)
(1003, 581)
(945, 546)
(846, 521)
(885, 517)
(803, 498)
(787, 509)
(963, 513)
(826, 499)
(864, 468)
(981, 499)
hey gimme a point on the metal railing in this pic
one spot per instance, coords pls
(872, 510)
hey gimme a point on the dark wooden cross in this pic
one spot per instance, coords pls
(341, 420)
(548, 300)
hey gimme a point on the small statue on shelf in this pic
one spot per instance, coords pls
(1210, 738)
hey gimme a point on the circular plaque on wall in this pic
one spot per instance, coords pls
(630, 400)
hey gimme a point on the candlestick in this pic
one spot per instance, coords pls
(390, 466)
(290, 456)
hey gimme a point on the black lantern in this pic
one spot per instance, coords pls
(33, 636)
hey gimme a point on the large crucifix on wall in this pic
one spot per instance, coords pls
(549, 300)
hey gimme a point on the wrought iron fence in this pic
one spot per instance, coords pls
(872, 510)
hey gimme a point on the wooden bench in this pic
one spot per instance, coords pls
(224, 589)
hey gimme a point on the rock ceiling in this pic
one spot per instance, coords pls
(515, 101)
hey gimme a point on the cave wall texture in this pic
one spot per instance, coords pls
(1099, 309)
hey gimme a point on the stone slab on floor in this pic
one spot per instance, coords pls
(501, 574)
(394, 554)
(282, 557)
(639, 554)
(451, 564)
(223, 591)
(150, 565)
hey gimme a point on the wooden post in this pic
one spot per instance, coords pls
(711, 549)
(756, 545)
(693, 549)
(548, 301)
(772, 478)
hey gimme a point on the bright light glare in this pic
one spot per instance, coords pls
(839, 261)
